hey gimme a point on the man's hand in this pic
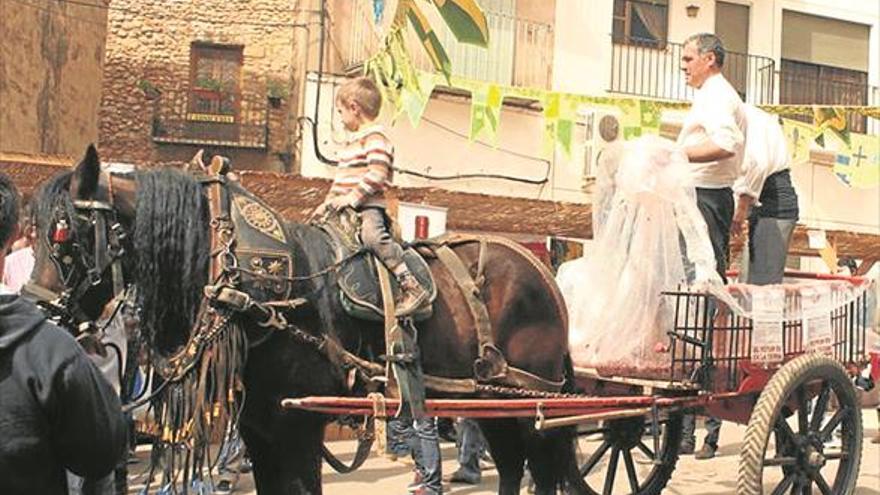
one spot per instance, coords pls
(737, 227)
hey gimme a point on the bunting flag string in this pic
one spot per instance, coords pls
(857, 156)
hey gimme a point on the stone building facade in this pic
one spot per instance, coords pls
(51, 61)
(210, 74)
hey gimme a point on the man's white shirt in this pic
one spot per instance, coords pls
(765, 152)
(717, 114)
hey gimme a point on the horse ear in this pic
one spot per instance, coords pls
(84, 182)
(197, 161)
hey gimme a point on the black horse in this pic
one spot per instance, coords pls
(168, 259)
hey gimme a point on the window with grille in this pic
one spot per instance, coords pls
(215, 74)
(809, 83)
(641, 22)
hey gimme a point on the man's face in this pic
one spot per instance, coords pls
(697, 67)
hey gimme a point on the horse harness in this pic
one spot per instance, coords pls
(224, 297)
(65, 249)
(492, 373)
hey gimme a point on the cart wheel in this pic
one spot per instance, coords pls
(627, 440)
(801, 444)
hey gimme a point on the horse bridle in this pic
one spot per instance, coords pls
(70, 257)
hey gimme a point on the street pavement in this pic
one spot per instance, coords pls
(717, 476)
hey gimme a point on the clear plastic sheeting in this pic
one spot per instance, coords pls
(649, 237)
(816, 306)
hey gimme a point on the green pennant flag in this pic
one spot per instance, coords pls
(428, 38)
(486, 111)
(466, 21)
(568, 106)
(416, 101)
(551, 119)
(651, 112)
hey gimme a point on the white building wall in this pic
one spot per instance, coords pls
(439, 147)
(582, 64)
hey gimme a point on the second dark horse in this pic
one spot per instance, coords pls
(167, 212)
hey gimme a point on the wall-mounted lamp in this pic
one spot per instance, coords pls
(692, 10)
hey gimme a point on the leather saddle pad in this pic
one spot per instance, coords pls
(358, 277)
(260, 246)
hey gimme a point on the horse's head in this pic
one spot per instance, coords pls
(80, 243)
(84, 256)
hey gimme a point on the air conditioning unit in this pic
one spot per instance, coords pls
(596, 129)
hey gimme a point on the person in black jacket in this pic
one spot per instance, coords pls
(56, 410)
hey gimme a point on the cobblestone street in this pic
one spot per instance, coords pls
(692, 477)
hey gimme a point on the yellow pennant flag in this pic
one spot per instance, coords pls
(859, 165)
(798, 136)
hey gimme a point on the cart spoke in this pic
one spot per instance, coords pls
(784, 431)
(802, 413)
(630, 470)
(645, 450)
(836, 456)
(784, 484)
(821, 406)
(833, 423)
(612, 470)
(595, 458)
(821, 483)
(805, 486)
(780, 461)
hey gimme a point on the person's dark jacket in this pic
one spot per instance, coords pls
(56, 410)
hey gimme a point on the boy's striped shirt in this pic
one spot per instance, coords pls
(364, 171)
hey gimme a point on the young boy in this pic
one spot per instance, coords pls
(363, 174)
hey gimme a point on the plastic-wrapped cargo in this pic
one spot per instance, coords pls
(650, 238)
(645, 218)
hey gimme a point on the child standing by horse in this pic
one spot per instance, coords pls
(363, 174)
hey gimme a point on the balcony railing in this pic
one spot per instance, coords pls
(196, 117)
(520, 52)
(798, 89)
(639, 67)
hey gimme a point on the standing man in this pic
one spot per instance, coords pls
(713, 137)
(766, 198)
(57, 412)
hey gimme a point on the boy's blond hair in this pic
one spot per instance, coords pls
(363, 92)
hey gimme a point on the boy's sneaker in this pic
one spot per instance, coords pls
(223, 487)
(416, 483)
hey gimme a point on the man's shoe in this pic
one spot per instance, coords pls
(707, 452)
(411, 296)
(686, 449)
(461, 476)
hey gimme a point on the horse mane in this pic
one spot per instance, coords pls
(53, 193)
(171, 245)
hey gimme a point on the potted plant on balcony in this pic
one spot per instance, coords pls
(151, 92)
(276, 91)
